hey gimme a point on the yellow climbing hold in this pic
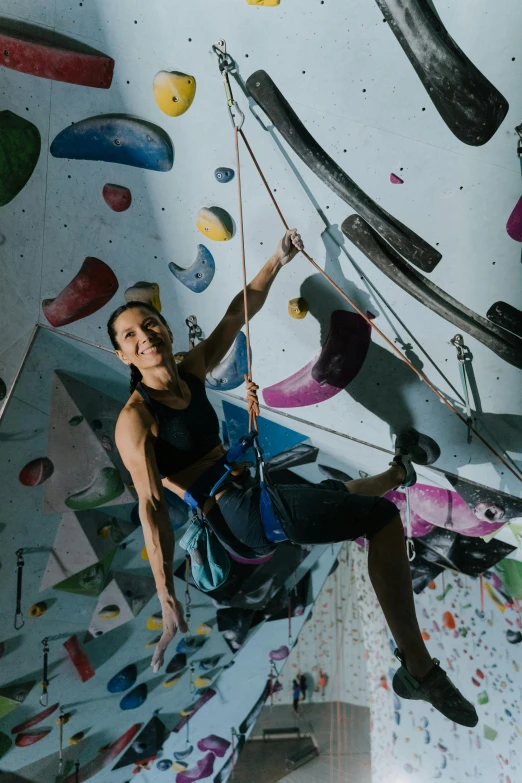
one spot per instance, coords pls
(155, 622)
(104, 531)
(187, 711)
(267, 3)
(202, 682)
(496, 600)
(63, 719)
(204, 629)
(76, 738)
(144, 553)
(171, 681)
(179, 766)
(37, 610)
(153, 642)
(109, 612)
(211, 224)
(298, 308)
(144, 292)
(174, 92)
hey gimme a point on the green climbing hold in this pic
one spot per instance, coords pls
(510, 572)
(483, 698)
(11, 696)
(489, 733)
(20, 145)
(90, 581)
(107, 486)
(75, 421)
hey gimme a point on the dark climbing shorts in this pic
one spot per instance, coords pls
(322, 513)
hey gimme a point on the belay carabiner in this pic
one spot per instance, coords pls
(226, 66)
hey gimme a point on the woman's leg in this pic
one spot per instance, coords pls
(390, 575)
(377, 485)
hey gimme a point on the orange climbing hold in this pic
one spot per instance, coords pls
(448, 621)
(425, 636)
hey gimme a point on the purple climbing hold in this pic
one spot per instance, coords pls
(395, 180)
(281, 654)
(214, 744)
(514, 224)
(203, 769)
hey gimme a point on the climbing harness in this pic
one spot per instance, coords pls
(44, 698)
(18, 610)
(226, 67)
(463, 357)
(410, 545)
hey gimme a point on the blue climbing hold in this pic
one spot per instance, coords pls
(199, 276)
(177, 664)
(115, 138)
(189, 644)
(230, 373)
(273, 437)
(136, 697)
(123, 680)
(163, 765)
(224, 175)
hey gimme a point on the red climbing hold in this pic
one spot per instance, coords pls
(51, 60)
(117, 197)
(30, 737)
(395, 180)
(94, 285)
(79, 658)
(449, 621)
(36, 472)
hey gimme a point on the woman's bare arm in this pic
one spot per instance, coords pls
(136, 449)
(212, 350)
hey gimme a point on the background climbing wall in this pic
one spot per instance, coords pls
(350, 82)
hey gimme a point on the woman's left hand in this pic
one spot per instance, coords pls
(290, 245)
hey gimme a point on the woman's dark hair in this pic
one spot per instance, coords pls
(136, 375)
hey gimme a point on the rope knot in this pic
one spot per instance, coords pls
(253, 402)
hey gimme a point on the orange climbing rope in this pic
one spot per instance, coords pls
(237, 117)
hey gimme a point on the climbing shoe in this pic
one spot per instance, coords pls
(422, 449)
(410, 477)
(437, 689)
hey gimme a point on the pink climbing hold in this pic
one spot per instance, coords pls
(36, 472)
(214, 744)
(514, 224)
(281, 654)
(395, 180)
(203, 769)
(117, 197)
(91, 289)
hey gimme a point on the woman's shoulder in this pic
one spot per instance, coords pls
(135, 413)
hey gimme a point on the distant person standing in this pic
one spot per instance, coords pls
(321, 685)
(303, 684)
(295, 695)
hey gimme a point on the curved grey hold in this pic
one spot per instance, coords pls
(469, 104)
(404, 241)
(506, 345)
(507, 316)
(230, 373)
(301, 454)
(334, 473)
(199, 276)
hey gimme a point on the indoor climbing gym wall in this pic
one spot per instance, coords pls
(389, 133)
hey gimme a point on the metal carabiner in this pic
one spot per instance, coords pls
(226, 66)
(462, 357)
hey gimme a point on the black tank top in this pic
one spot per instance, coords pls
(184, 436)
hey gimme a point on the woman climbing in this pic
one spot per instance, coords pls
(168, 436)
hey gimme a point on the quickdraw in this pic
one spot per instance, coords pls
(18, 610)
(44, 698)
(463, 358)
